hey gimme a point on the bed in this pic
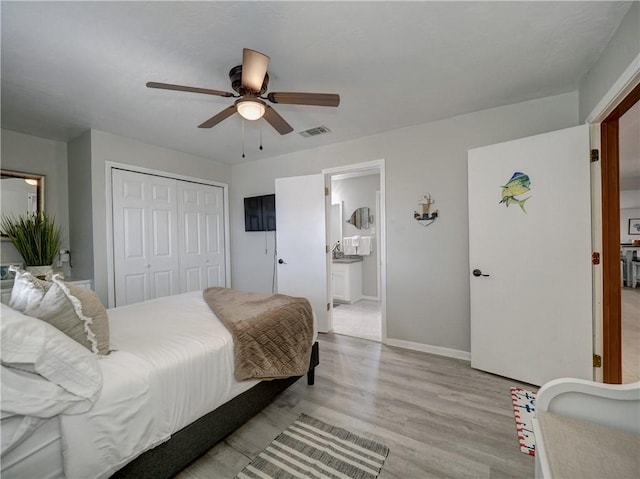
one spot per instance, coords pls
(168, 393)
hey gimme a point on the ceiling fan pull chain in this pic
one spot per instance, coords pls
(260, 137)
(243, 138)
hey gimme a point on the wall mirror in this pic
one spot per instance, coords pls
(361, 218)
(20, 193)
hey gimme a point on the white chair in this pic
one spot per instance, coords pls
(587, 429)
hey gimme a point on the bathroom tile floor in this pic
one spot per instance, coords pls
(361, 320)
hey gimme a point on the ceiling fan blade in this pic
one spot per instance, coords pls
(315, 99)
(254, 68)
(217, 118)
(170, 86)
(276, 121)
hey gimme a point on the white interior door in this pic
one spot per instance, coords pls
(201, 230)
(530, 237)
(301, 241)
(145, 236)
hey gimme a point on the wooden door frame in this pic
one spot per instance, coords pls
(611, 284)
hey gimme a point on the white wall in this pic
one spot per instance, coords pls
(80, 213)
(622, 49)
(31, 154)
(356, 193)
(629, 199)
(629, 208)
(427, 268)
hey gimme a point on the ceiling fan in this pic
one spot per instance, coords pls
(250, 81)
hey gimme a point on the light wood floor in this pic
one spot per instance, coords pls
(439, 417)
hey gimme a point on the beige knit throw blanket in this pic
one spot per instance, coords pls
(272, 334)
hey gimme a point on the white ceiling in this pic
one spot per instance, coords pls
(71, 66)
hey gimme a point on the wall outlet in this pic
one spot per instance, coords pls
(65, 256)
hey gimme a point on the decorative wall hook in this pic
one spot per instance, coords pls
(426, 217)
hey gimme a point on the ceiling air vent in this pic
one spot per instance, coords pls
(318, 130)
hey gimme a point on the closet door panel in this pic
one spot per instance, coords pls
(131, 253)
(164, 264)
(131, 189)
(212, 234)
(161, 234)
(162, 191)
(162, 283)
(189, 247)
(215, 276)
(135, 288)
(145, 236)
(191, 233)
(168, 236)
(135, 234)
(200, 216)
(135, 256)
(192, 279)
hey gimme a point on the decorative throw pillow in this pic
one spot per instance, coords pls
(27, 290)
(77, 312)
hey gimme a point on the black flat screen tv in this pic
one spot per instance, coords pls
(260, 213)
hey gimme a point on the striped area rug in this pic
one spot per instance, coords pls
(315, 449)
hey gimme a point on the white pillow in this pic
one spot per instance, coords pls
(40, 358)
(75, 311)
(27, 290)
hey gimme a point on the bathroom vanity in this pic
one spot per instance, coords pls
(346, 275)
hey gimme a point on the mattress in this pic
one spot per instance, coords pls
(172, 363)
(189, 349)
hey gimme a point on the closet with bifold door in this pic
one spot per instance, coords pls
(168, 236)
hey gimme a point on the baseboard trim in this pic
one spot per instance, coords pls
(427, 348)
(371, 298)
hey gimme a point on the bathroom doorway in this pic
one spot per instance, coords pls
(356, 232)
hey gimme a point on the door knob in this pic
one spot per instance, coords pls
(477, 272)
(281, 261)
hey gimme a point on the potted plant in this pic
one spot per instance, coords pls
(37, 239)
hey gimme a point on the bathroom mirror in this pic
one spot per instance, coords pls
(361, 218)
(20, 193)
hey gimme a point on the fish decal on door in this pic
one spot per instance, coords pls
(518, 185)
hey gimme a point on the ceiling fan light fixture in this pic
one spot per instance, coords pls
(251, 108)
(250, 81)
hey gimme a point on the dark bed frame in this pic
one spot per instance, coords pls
(191, 442)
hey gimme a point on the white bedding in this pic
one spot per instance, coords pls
(38, 456)
(196, 348)
(173, 364)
